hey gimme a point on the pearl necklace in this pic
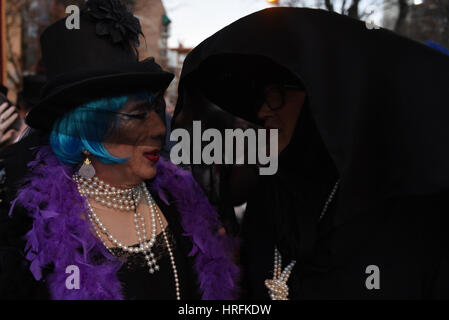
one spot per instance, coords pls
(111, 197)
(144, 247)
(277, 287)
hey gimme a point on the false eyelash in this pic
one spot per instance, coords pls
(139, 116)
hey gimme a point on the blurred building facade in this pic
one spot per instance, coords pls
(2, 41)
(155, 27)
(25, 20)
(176, 57)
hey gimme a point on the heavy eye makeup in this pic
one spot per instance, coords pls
(136, 110)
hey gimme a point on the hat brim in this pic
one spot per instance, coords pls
(67, 97)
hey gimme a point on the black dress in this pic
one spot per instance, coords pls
(406, 238)
(408, 242)
(139, 284)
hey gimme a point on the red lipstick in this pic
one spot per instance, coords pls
(153, 156)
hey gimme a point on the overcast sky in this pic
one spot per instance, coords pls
(195, 20)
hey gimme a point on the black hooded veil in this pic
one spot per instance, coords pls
(376, 120)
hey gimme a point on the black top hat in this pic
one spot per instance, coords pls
(32, 86)
(97, 60)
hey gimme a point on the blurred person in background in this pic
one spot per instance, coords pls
(15, 156)
(28, 98)
(9, 120)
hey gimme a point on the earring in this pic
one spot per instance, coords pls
(87, 170)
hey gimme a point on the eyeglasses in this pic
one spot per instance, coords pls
(144, 110)
(273, 96)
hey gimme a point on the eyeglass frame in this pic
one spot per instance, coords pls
(157, 98)
(263, 96)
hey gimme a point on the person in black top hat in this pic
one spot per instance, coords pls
(99, 215)
(12, 166)
(358, 206)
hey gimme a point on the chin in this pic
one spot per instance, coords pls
(149, 173)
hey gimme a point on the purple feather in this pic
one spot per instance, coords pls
(59, 236)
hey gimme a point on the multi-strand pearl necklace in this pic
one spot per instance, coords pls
(100, 192)
(277, 287)
(111, 197)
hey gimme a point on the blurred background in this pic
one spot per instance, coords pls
(173, 27)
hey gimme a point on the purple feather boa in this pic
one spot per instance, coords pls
(60, 236)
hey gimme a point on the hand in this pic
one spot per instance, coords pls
(7, 116)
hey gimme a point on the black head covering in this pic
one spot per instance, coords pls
(379, 101)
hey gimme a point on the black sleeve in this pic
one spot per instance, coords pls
(16, 280)
(434, 236)
(440, 284)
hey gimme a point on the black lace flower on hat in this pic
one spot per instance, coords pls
(115, 20)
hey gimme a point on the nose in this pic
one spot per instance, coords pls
(156, 125)
(264, 112)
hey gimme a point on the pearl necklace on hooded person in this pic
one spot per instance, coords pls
(277, 287)
(126, 200)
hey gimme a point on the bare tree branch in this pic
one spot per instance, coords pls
(343, 7)
(329, 5)
(353, 10)
(403, 11)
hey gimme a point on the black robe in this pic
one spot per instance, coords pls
(375, 119)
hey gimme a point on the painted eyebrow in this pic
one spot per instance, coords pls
(134, 106)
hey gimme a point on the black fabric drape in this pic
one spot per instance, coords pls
(376, 119)
(379, 100)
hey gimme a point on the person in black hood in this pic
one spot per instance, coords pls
(359, 201)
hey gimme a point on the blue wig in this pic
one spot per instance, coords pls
(86, 127)
(438, 47)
